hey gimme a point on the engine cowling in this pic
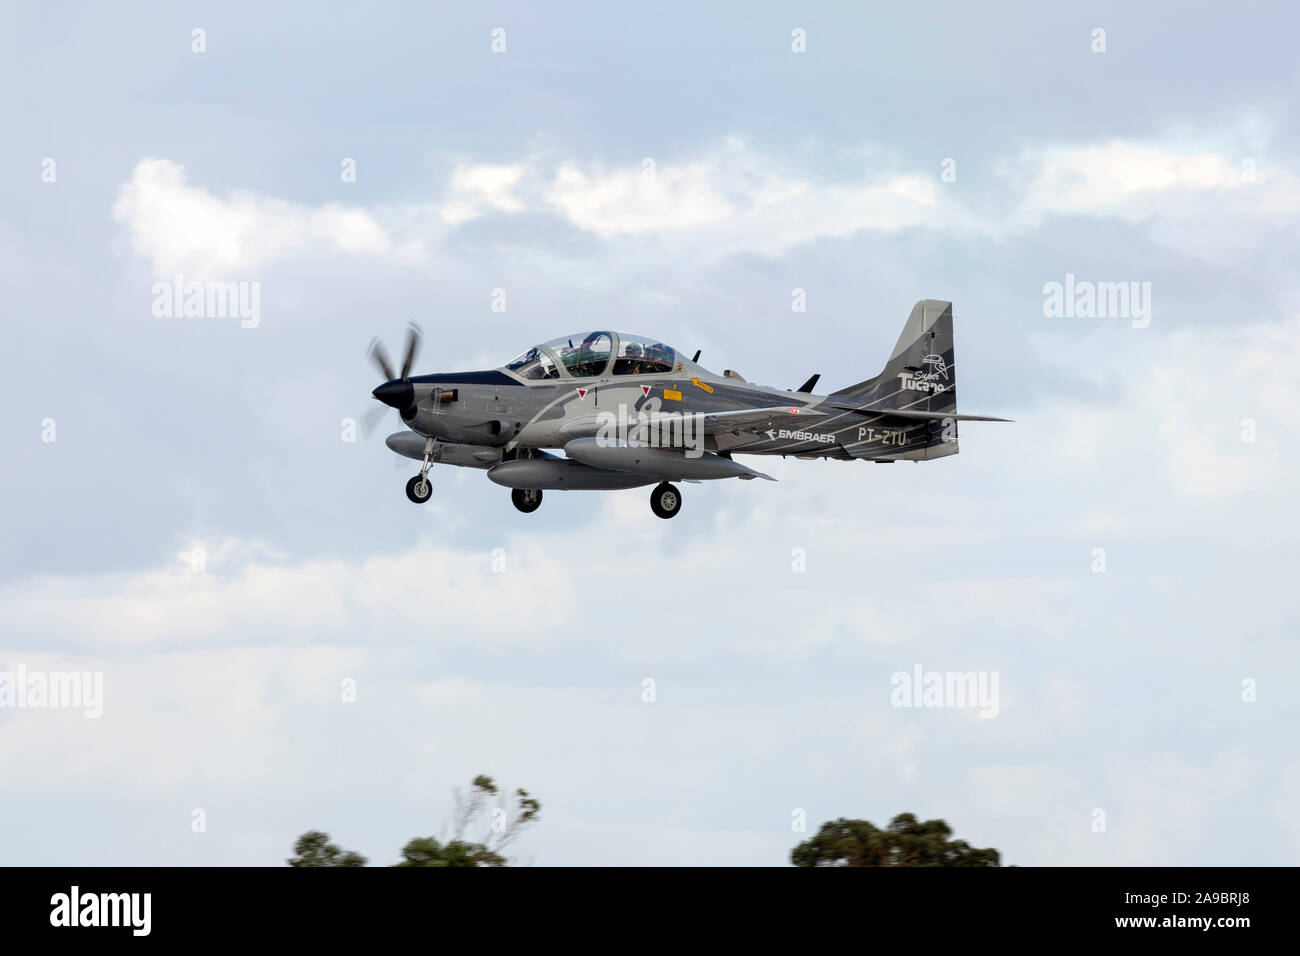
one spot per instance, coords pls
(449, 428)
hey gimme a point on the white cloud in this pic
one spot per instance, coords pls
(476, 189)
(734, 198)
(186, 229)
(1122, 179)
(1205, 203)
(731, 198)
(241, 596)
(727, 198)
(630, 202)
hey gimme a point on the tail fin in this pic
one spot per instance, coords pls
(920, 373)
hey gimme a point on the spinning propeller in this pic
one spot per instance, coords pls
(396, 391)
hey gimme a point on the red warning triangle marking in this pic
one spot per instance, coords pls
(582, 393)
(645, 389)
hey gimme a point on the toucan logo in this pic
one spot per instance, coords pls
(936, 363)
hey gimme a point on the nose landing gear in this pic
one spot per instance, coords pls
(420, 489)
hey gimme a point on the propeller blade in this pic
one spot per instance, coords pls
(412, 345)
(381, 359)
(370, 420)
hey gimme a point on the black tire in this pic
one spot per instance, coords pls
(666, 500)
(415, 486)
(526, 500)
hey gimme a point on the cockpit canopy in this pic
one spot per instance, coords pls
(589, 355)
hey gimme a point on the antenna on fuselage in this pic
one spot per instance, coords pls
(697, 355)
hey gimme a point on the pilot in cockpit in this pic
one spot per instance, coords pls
(631, 360)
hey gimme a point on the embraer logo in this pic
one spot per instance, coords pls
(775, 433)
(103, 909)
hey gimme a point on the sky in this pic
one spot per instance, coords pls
(286, 643)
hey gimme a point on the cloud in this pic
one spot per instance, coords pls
(186, 229)
(232, 592)
(725, 198)
(733, 198)
(1123, 179)
(479, 189)
(628, 202)
(1204, 203)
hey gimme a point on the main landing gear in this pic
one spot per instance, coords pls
(526, 500)
(665, 500)
(420, 489)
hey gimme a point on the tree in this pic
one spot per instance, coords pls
(905, 842)
(504, 826)
(314, 849)
(427, 851)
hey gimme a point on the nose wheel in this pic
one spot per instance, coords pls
(420, 489)
(665, 500)
(526, 500)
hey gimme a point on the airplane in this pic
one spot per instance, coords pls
(629, 411)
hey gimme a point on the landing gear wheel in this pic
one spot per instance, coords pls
(526, 500)
(665, 500)
(419, 489)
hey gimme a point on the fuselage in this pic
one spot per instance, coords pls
(498, 409)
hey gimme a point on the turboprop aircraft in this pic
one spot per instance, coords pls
(629, 411)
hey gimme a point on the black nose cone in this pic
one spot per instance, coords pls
(397, 393)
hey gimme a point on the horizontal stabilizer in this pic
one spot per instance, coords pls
(916, 413)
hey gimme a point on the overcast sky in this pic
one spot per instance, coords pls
(184, 515)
